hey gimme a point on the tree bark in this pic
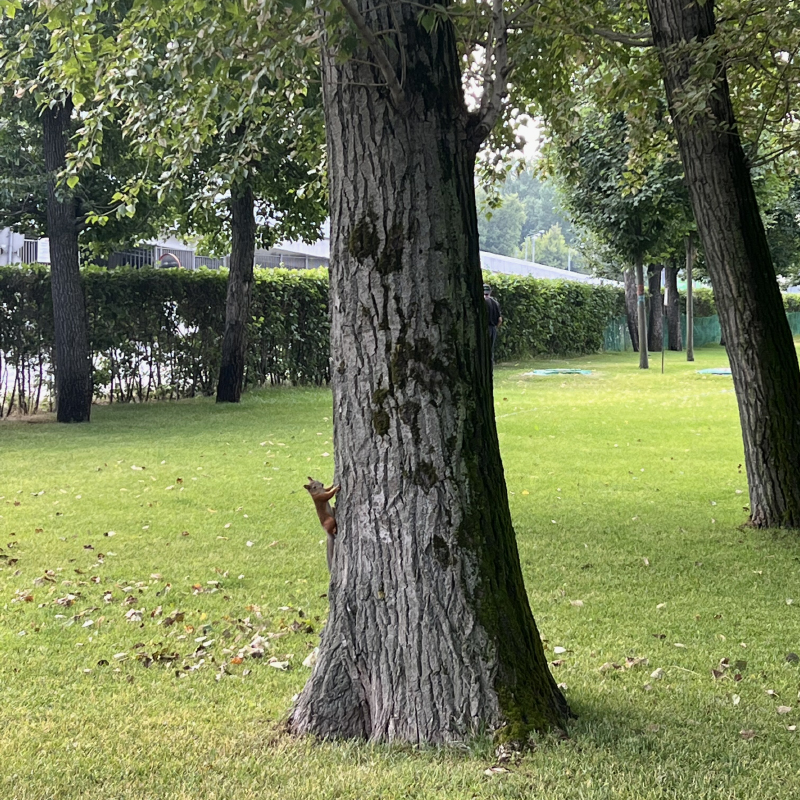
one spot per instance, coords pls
(240, 290)
(430, 636)
(673, 308)
(630, 307)
(655, 327)
(754, 325)
(73, 363)
(641, 315)
(690, 256)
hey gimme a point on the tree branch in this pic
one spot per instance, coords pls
(643, 39)
(395, 89)
(495, 74)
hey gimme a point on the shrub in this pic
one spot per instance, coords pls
(546, 317)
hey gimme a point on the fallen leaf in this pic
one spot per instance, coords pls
(783, 709)
(747, 734)
(576, 603)
(657, 674)
(735, 698)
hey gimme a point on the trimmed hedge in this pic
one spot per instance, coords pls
(547, 317)
(705, 306)
(157, 333)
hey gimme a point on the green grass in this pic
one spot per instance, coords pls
(627, 494)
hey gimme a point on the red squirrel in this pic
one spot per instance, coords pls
(326, 513)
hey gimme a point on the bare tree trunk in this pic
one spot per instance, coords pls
(690, 256)
(630, 307)
(430, 636)
(641, 314)
(240, 289)
(655, 327)
(754, 325)
(673, 308)
(72, 362)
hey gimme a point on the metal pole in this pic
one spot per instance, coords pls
(664, 326)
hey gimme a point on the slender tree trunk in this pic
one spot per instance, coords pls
(690, 256)
(641, 314)
(430, 636)
(630, 307)
(757, 334)
(240, 289)
(655, 327)
(73, 364)
(673, 308)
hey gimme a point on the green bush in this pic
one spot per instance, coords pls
(545, 317)
(702, 302)
(157, 333)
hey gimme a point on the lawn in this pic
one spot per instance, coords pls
(148, 557)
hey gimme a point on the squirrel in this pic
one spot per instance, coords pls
(326, 513)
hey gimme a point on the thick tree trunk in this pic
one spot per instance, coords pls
(760, 347)
(641, 314)
(430, 636)
(655, 327)
(630, 307)
(673, 308)
(73, 363)
(240, 289)
(690, 256)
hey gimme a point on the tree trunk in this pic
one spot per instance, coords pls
(641, 314)
(673, 308)
(240, 289)
(73, 363)
(655, 327)
(630, 307)
(430, 636)
(757, 334)
(690, 256)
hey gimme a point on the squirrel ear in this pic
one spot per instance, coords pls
(307, 486)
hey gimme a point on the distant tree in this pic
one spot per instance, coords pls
(551, 248)
(542, 207)
(636, 207)
(501, 227)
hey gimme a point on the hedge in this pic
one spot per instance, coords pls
(547, 317)
(157, 333)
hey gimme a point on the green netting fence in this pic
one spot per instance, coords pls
(706, 331)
